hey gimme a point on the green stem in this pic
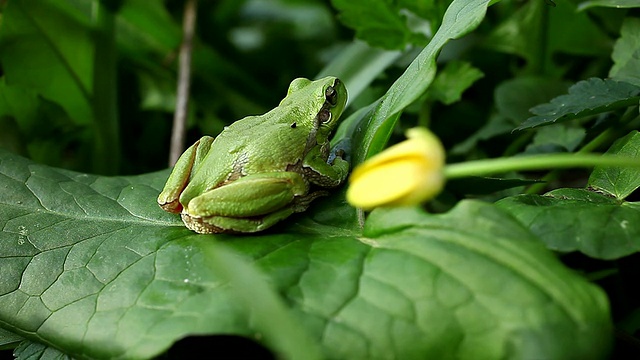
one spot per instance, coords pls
(535, 162)
(604, 139)
(105, 104)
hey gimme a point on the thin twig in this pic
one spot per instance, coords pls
(184, 81)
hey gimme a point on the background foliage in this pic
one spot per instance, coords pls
(92, 268)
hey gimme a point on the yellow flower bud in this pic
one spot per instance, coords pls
(407, 173)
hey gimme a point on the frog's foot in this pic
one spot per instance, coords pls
(230, 225)
(301, 203)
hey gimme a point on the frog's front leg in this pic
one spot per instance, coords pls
(181, 174)
(249, 204)
(324, 174)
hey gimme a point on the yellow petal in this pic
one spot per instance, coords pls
(407, 173)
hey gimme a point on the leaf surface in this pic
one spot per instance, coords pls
(93, 267)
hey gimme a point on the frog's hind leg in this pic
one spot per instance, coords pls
(250, 196)
(230, 225)
(224, 224)
(179, 178)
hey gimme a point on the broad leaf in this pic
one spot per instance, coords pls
(92, 266)
(600, 224)
(587, 97)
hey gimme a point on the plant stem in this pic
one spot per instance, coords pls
(535, 162)
(106, 155)
(605, 138)
(184, 81)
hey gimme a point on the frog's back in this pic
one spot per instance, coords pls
(261, 144)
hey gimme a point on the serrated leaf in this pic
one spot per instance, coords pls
(626, 53)
(587, 97)
(615, 181)
(92, 266)
(579, 220)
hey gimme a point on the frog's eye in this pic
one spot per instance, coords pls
(324, 116)
(331, 95)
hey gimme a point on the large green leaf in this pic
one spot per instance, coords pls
(598, 223)
(93, 267)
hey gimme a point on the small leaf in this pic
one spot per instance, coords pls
(558, 136)
(376, 21)
(453, 80)
(616, 181)
(579, 220)
(514, 97)
(626, 53)
(587, 97)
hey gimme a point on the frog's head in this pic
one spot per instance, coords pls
(322, 102)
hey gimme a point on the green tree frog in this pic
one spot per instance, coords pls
(261, 169)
